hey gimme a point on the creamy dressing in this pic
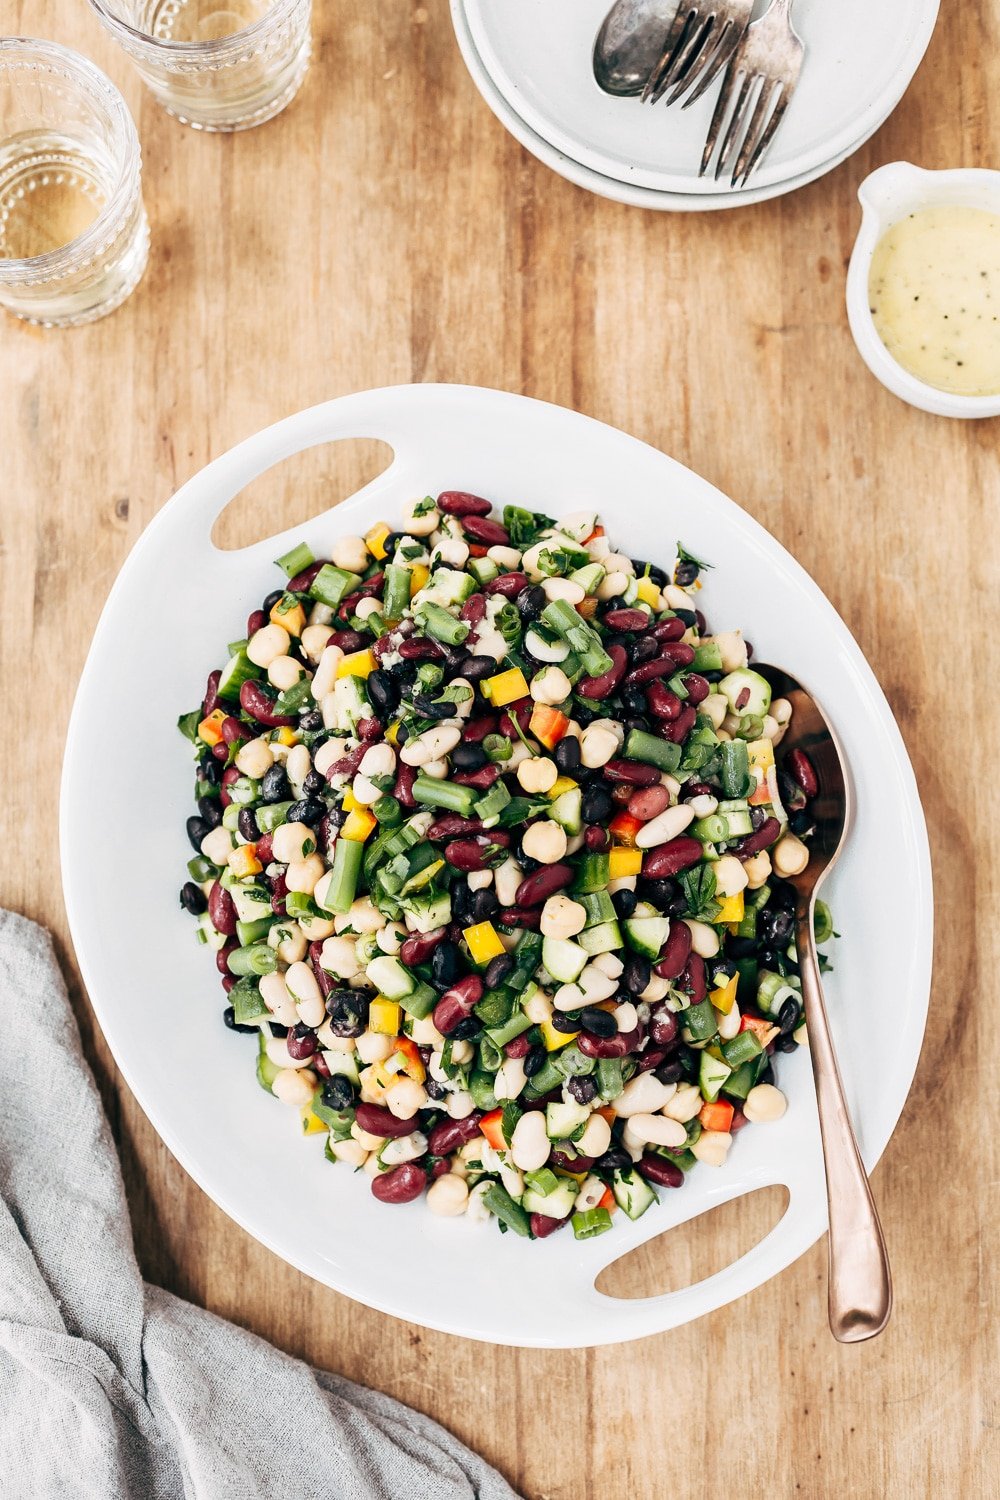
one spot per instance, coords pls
(934, 293)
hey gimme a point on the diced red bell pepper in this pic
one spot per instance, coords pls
(491, 1128)
(624, 829)
(717, 1116)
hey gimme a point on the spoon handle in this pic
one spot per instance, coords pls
(860, 1284)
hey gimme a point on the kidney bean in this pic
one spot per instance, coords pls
(669, 630)
(697, 789)
(674, 953)
(210, 702)
(482, 529)
(508, 584)
(474, 609)
(467, 854)
(256, 620)
(661, 1171)
(481, 779)
(567, 1163)
(649, 803)
(378, 1120)
(301, 1046)
(452, 826)
(228, 980)
(461, 503)
(418, 949)
(651, 1059)
(611, 1046)
(229, 775)
(401, 1185)
(303, 582)
(348, 640)
(542, 1226)
(403, 787)
(694, 980)
(222, 957)
(233, 732)
(458, 1003)
(698, 687)
(347, 764)
(664, 1026)
(604, 685)
(321, 1065)
(521, 711)
(661, 702)
(476, 730)
(761, 838)
(385, 643)
(677, 730)
(632, 773)
(221, 750)
(255, 702)
(678, 654)
(596, 839)
(670, 858)
(800, 768)
(451, 1134)
(536, 888)
(222, 910)
(520, 916)
(279, 890)
(419, 648)
(738, 1121)
(635, 620)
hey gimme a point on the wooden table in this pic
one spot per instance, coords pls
(387, 229)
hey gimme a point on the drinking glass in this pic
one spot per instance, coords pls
(73, 232)
(215, 64)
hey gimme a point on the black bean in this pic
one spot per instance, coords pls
(445, 965)
(689, 616)
(465, 1030)
(383, 691)
(307, 811)
(634, 698)
(431, 708)
(802, 824)
(582, 1087)
(484, 905)
(534, 1061)
(271, 601)
(788, 1016)
(247, 824)
(193, 898)
(767, 1075)
(775, 926)
(404, 672)
(531, 601)
(785, 1043)
(644, 649)
(461, 901)
(338, 1092)
(311, 721)
(740, 947)
(637, 973)
(567, 755)
(720, 971)
(600, 1023)
(685, 574)
(651, 571)
(570, 1020)
(597, 805)
(615, 1160)
(277, 1029)
(769, 958)
(478, 667)
(666, 895)
(497, 970)
(624, 902)
(348, 1012)
(469, 757)
(670, 1071)
(584, 716)
(211, 770)
(229, 1019)
(197, 829)
(210, 810)
(637, 721)
(313, 784)
(783, 894)
(689, 1060)
(274, 785)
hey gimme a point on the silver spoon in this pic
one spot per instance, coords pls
(630, 44)
(860, 1284)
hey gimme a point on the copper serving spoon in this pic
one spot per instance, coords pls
(860, 1284)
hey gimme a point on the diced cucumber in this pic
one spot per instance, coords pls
(391, 978)
(751, 687)
(216, 940)
(267, 1071)
(448, 586)
(599, 907)
(707, 657)
(484, 569)
(589, 577)
(332, 585)
(593, 873)
(350, 703)
(246, 1001)
(606, 937)
(345, 1064)
(646, 930)
(428, 909)
(562, 1119)
(563, 959)
(251, 902)
(632, 1193)
(420, 1002)
(565, 810)
(712, 1074)
(238, 670)
(555, 1205)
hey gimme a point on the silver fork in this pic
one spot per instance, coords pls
(703, 36)
(766, 65)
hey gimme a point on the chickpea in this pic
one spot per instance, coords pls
(715, 709)
(421, 516)
(459, 1105)
(537, 774)
(730, 875)
(350, 1151)
(764, 1103)
(374, 1047)
(405, 1098)
(350, 553)
(550, 686)
(562, 917)
(448, 1196)
(254, 758)
(292, 1086)
(704, 805)
(291, 842)
(284, 672)
(268, 643)
(544, 841)
(218, 845)
(313, 641)
(712, 1147)
(597, 746)
(757, 869)
(304, 874)
(789, 855)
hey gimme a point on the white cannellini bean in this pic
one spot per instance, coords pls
(350, 1151)
(379, 760)
(419, 521)
(338, 1045)
(596, 1137)
(609, 964)
(430, 745)
(715, 707)
(350, 553)
(328, 754)
(781, 710)
(612, 584)
(544, 841)
(373, 1167)
(459, 1105)
(276, 1050)
(733, 649)
(477, 1210)
(538, 1008)
(298, 765)
(267, 643)
(325, 676)
(339, 956)
(705, 940)
(289, 842)
(511, 1179)
(712, 1147)
(437, 769)
(505, 557)
(374, 1047)
(550, 686)
(626, 1016)
(518, 754)
(479, 880)
(510, 1078)
(655, 990)
(313, 641)
(685, 1103)
(568, 997)
(405, 1098)
(304, 874)
(764, 1103)
(590, 1194)
(293, 1087)
(288, 941)
(448, 1196)
(704, 805)
(728, 1023)
(597, 746)
(789, 855)
(284, 672)
(801, 1035)
(364, 791)
(254, 758)
(666, 826)
(730, 876)
(657, 1130)
(305, 991)
(562, 917)
(758, 869)
(537, 774)
(596, 984)
(529, 1144)
(218, 845)
(642, 1095)
(274, 993)
(564, 588)
(404, 1148)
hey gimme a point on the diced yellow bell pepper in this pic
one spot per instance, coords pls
(484, 942)
(577, 1177)
(392, 733)
(375, 539)
(554, 1039)
(380, 1076)
(243, 861)
(311, 1123)
(358, 826)
(210, 729)
(384, 1016)
(506, 687)
(358, 664)
(622, 862)
(419, 575)
(286, 735)
(760, 754)
(350, 802)
(730, 909)
(725, 998)
(648, 592)
(560, 785)
(290, 616)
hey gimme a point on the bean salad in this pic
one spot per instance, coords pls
(493, 847)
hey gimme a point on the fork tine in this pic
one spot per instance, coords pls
(688, 58)
(729, 40)
(757, 123)
(674, 38)
(734, 131)
(718, 116)
(766, 138)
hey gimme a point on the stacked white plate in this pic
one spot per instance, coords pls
(532, 62)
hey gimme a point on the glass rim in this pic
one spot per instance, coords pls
(207, 49)
(24, 51)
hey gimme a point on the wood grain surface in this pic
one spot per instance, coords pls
(386, 229)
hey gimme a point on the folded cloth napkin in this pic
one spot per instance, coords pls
(117, 1390)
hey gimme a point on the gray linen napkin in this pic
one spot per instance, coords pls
(114, 1390)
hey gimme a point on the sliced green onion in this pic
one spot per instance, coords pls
(590, 1223)
(254, 931)
(295, 561)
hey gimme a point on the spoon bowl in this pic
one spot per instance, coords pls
(630, 44)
